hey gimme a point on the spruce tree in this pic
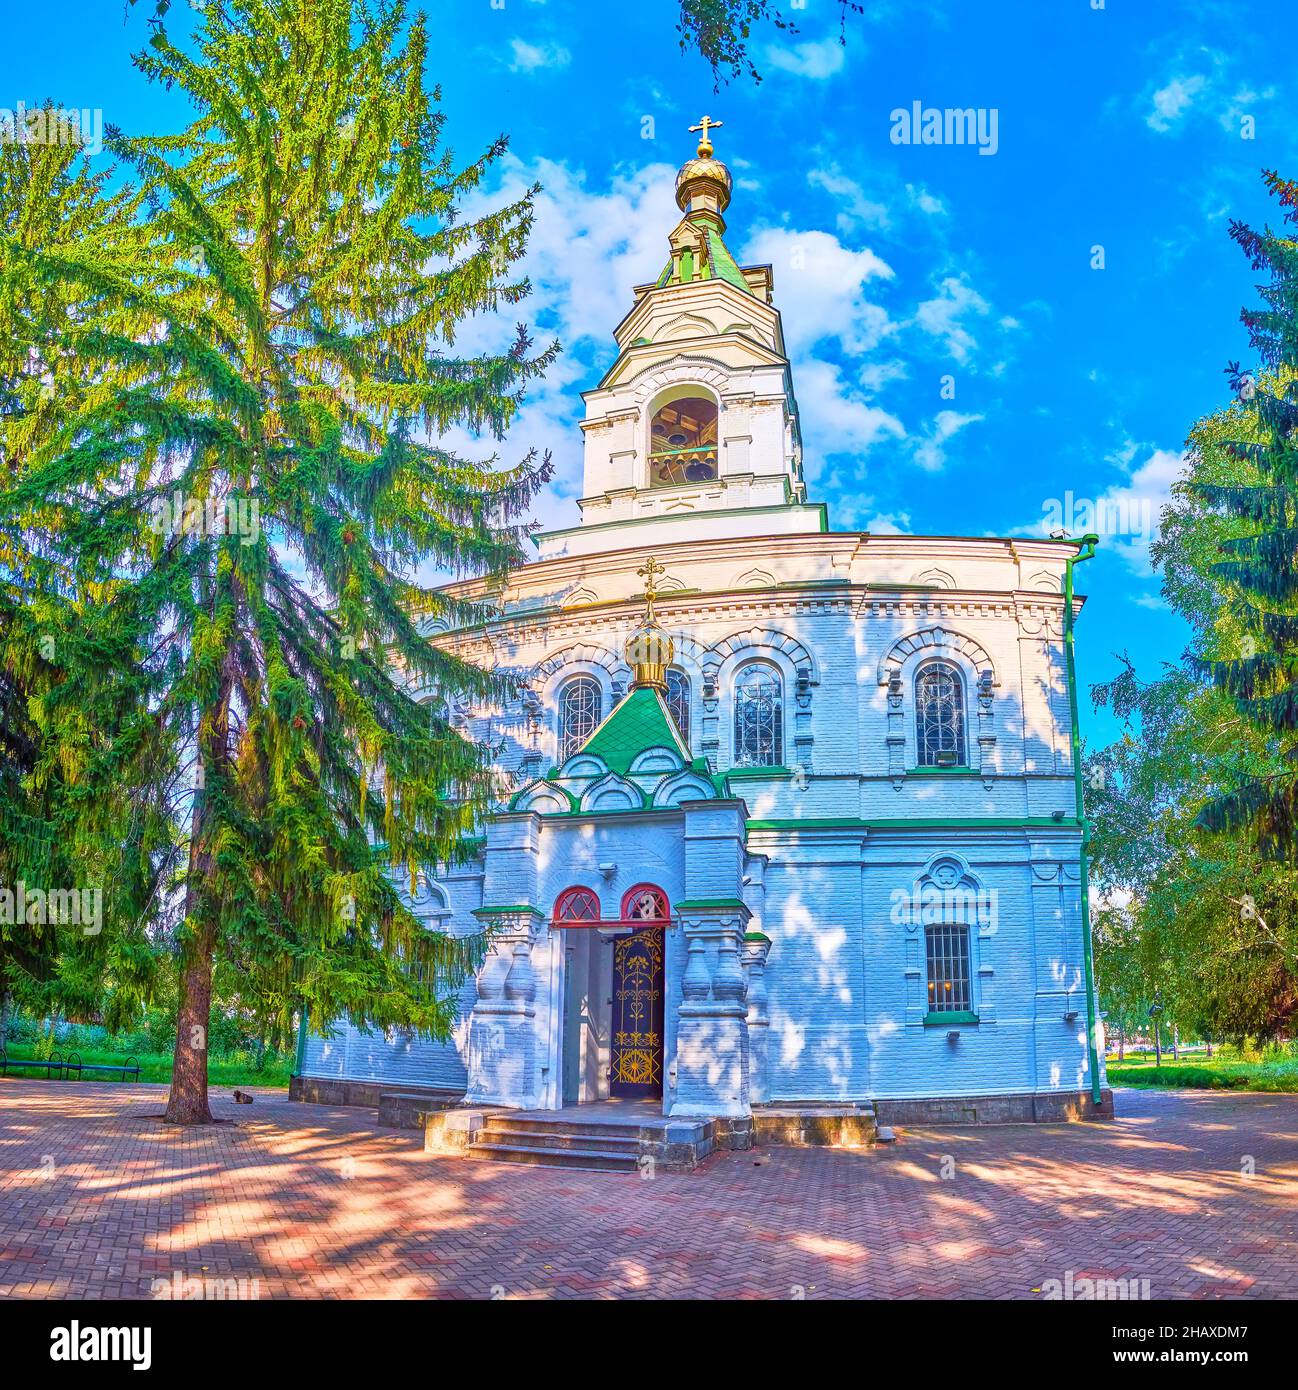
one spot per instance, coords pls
(1260, 571)
(283, 367)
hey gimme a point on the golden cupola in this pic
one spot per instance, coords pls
(703, 185)
(649, 650)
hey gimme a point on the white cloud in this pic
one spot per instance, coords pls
(943, 316)
(1173, 101)
(857, 209)
(821, 286)
(930, 447)
(814, 58)
(926, 202)
(837, 417)
(530, 56)
(888, 524)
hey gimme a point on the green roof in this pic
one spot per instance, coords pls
(641, 721)
(723, 264)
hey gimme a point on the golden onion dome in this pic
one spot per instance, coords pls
(704, 185)
(649, 652)
(703, 172)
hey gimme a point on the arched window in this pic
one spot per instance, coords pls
(580, 703)
(577, 905)
(678, 701)
(939, 716)
(645, 903)
(759, 717)
(947, 948)
(683, 442)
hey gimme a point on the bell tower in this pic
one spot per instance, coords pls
(693, 432)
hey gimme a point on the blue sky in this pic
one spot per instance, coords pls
(897, 267)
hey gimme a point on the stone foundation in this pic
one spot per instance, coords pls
(331, 1090)
(1044, 1107)
(814, 1126)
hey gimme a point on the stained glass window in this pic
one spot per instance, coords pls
(939, 717)
(678, 702)
(580, 701)
(948, 968)
(759, 717)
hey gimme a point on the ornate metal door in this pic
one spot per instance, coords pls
(637, 1053)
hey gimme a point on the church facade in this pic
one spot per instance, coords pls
(793, 814)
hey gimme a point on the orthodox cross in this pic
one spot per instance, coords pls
(651, 570)
(705, 144)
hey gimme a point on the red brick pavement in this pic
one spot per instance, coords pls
(98, 1198)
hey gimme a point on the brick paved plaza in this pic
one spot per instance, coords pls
(99, 1198)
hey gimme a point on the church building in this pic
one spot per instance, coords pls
(793, 817)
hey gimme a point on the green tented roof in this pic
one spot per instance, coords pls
(723, 265)
(641, 721)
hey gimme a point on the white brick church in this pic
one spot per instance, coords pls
(793, 815)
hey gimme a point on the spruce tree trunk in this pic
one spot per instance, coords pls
(187, 1103)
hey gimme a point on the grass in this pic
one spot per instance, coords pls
(1225, 1070)
(235, 1070)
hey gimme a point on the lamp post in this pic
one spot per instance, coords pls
(1086, 549)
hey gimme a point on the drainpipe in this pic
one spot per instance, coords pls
(301, 1044)
(1087, 546)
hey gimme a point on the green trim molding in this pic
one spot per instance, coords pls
(940, 1020)
(918, 823)
(713, 905)
(513, 910)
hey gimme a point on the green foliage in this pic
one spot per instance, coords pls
(273, 339)
(1259, 576)
(68, 816)
(1207, 923)
(720, 31)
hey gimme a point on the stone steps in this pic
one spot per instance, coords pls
(509, 1124)
(592, 1138)
(558, 1144)
(605, 1160)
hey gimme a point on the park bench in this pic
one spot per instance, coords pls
(130, 1067)
(62, 1066)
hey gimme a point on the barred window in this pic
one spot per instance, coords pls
(580, 702)
(948, 968)
(939, 717)
(678, 702)
(577, 905)
(759, 717)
